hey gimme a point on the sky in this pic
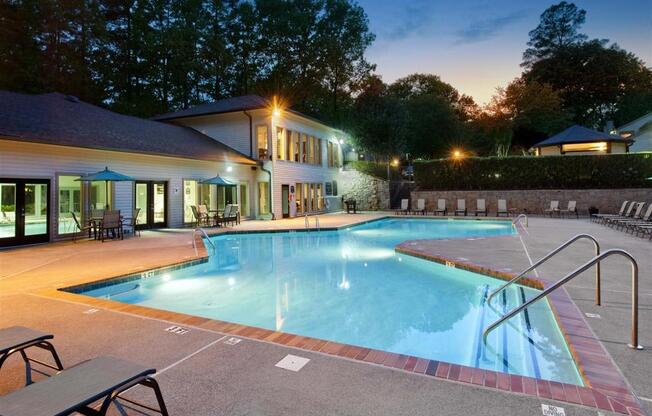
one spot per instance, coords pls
(477, 45)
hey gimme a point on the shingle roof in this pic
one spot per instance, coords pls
(62, 120)
(227, 105)
(579, 134)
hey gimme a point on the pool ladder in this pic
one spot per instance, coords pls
(307, 222)
(594, 261)
(518, 220)
(204, 234)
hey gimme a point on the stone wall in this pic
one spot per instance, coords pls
(536, 201)
(372, 194)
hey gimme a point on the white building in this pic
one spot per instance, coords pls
(49, 141)
(300, 155)
(639, 130)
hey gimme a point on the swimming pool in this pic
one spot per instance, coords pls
(350, 286)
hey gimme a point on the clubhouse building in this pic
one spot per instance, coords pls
(275, 163)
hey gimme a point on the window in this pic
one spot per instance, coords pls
(311, 148)
(280, 143)
(304, 148)
(320, 197)
(190, 198)
(318, 161)
(69, 192)
(330, 155)
(263, 145)
(328, 187)
(298, 197)
(263, 198)
(585, 147)
(334, 188)
(288, 145)
(100, 195)
(296, 140)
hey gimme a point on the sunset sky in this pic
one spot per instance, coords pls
(476, 45)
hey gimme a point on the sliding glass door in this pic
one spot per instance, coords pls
(24, 211)
(151, 201)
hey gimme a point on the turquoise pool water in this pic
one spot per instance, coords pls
(351, 287)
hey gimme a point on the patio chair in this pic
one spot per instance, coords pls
(404, 207)
(554, 208)
(481, 207)
(461, 207)
(76, 389)
(571, 209)
(111, 223)
(132, 223)
(598, 217)
(81, 229)
(235, 213)
(229, 215)
(441, 207)
(204, 215)
(502, 208)
(18, 339)
(625, 212)
(421, 207)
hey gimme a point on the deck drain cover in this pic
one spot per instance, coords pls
(232, 341)
(292, 362)
(179, 330)
(90, 311)
(592, 315)
(549, 410)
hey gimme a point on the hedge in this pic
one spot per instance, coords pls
(530, 172)
(375, 169)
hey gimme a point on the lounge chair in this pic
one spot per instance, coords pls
(421, 207)
(461, 207)
(18, 339)
(441, 207)
(404, 207)
(631, 224)
(633, 212)
(571, 209)
(554, 208)
(637, 216)
(76, 389)
(625, 208)
(112, 223)
(481, 207)
(81, 229)
(502, 208)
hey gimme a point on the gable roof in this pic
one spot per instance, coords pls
(58, 119)
(579, 134)
(637, 123)
(227, 105)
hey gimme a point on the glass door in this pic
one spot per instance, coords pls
(151, 201)
(24, 211)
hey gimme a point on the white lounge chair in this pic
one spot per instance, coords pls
(404, 207)
(571, 209)
(421, 207)
(599, 217)
(635, 216)
(554, 208)
(625, 212)
(461, 207)
(441, 207)
(481, 207)
(502, 208)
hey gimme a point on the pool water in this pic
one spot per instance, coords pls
(350, 286)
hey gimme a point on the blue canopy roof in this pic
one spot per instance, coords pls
(579, 134)
(218, 180)
(105, 175)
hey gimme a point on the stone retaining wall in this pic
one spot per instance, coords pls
(372, 194)
(535, 201)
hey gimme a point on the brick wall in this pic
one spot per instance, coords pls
(535, 201)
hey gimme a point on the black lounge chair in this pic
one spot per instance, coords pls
(18, 339)
(76, 389)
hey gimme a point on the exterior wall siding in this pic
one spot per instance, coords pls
(39, 161)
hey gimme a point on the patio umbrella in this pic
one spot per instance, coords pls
(105, 175)
(218, 180)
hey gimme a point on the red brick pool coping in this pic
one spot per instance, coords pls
(605, 389)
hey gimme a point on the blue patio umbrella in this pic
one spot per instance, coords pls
(218, 180)
(105, 176)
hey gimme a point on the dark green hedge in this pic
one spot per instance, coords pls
(375, 169)
(529, 172)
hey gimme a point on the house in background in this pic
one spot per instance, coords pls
(578, 140)
(49, 141)
(639, 130)
(300, 155)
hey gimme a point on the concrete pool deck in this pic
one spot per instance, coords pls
(203, 375)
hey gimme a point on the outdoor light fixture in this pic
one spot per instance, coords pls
(276, 112)
(457, 154)
(229, 168)
(395, 162)
(341, 141)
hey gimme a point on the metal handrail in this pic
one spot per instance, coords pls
(596, 260)
(306, 221)
(552, 254)
(317, 226)
(205, 234)
(518, 219)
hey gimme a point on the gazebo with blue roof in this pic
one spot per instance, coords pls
(581, 140)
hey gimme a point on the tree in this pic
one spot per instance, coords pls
(557, 29)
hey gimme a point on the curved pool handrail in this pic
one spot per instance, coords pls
(595, 260)
(518, 220)
(548, 257)
(205, 235)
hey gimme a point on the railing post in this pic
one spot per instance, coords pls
(634, 342)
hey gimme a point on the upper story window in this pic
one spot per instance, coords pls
(262, 137)
(280, 143)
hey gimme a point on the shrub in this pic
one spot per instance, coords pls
(529, 172)
(375, 169)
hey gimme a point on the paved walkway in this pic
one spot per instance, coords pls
(201, 375)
